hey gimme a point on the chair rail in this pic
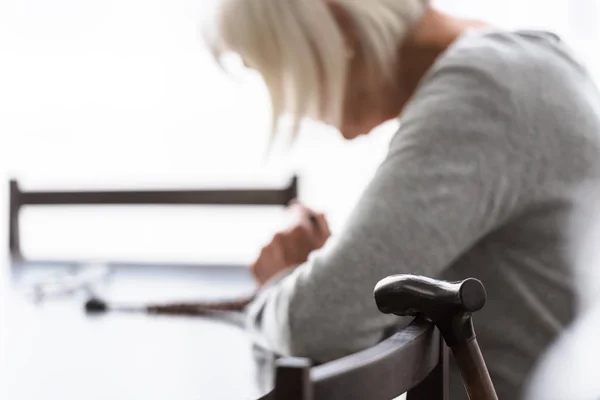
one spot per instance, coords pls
(234, 197)
(399, 364)
(373, 373)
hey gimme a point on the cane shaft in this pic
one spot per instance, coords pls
(473, 370)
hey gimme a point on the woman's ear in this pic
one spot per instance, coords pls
(346, 25)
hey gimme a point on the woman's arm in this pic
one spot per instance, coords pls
(417, 216)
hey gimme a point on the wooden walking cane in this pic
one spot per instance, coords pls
(449, 306)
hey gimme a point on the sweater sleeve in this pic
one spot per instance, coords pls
(444, 185)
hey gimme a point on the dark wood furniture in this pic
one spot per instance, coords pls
(449, 306)
(412, 361)
(240, 196)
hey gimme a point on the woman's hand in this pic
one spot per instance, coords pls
(308, 232)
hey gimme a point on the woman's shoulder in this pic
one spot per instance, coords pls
(493, 84)
(497, 48)
(497, 98)
(487, 59)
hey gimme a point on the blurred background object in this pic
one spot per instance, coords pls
(569, 369)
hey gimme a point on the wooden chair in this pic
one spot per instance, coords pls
(449, 305)
(412, 361)
(234, 197)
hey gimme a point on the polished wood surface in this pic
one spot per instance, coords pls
(437, 385)
(53, 350)
(473, 371)
(385, 371)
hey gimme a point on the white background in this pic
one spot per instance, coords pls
(122, 94)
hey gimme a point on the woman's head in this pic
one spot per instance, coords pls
(331, 60)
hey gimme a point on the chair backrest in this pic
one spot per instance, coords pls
(412, 361)
(240, 196)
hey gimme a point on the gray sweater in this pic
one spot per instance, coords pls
(478, 182)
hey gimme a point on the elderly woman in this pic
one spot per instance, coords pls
(497, 129)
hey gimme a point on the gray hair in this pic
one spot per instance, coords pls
(299, 49)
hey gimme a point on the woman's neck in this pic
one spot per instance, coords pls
(434, 34)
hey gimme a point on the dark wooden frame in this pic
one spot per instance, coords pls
(413, 361)
(236, 197)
